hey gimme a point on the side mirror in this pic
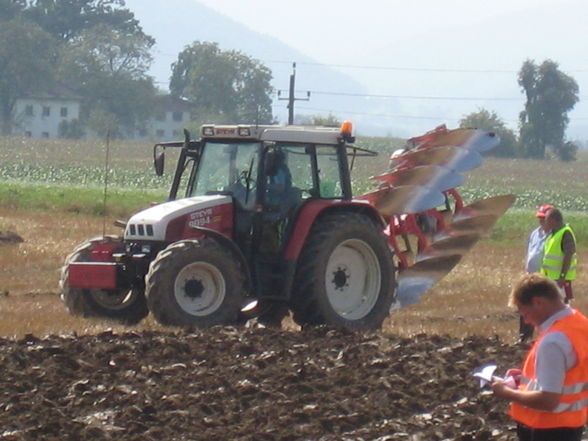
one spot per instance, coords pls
(159, 161)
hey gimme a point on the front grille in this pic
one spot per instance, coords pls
(140, 230)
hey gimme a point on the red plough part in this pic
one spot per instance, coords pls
(429, 227)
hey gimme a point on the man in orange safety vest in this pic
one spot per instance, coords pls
(550, 402)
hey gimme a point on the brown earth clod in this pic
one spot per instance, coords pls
(9, 237)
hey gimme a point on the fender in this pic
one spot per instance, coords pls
(232, 246)
(316, 208)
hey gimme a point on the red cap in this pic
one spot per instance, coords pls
(542, 210)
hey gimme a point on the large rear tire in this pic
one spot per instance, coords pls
(345, 275)
(195, 283)
(127, 306)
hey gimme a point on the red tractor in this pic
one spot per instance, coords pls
(267, 222)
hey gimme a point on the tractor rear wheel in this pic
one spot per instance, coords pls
(127, 306)
(345, 275)
(195, 283)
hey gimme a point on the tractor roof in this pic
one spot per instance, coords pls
(304, 134)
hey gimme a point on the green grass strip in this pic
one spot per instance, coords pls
(74, 199)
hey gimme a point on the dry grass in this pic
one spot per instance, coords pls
(471, 300)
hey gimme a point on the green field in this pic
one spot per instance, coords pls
(71, 176)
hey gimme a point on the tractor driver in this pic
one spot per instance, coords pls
(280, 198)
(279, 182)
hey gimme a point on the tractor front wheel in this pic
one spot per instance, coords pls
(345, 275)
(195, 283)
(127, 306)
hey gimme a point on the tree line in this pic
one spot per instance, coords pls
(98, 49)
(550, 95)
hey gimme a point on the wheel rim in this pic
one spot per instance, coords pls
(113, 299)
(353, 279)
(200, 289)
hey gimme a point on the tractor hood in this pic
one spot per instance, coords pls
(153, 223)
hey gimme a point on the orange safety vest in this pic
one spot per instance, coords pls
(572, 410)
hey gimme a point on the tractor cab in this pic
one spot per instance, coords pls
(269, 171)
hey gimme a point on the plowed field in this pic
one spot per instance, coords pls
(249, 384)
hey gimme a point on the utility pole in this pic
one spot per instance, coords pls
(291, 98)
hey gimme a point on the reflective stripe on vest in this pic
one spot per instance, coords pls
(572, 410)
(571, 389)
(553, 256)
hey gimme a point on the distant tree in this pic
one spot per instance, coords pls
(109, 69)
(66, 19)
(27, 55)
(568, 150)
(228, 84)
(10, 9)
(551, 94)
(486, 120)
(318, 120)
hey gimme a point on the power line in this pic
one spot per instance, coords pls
(397, 68)
(389, 115)
(416, 97)
(382, 115)
(409, 69)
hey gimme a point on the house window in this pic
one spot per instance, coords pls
(45, 134)
(160, 116)
(160, 133)
(29, 134)
(46, 110)
(177, 116)
(29, 110)
(63, 112)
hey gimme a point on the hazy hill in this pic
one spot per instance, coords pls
(177, 23)
(497, 44)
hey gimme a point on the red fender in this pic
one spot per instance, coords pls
(309, 213)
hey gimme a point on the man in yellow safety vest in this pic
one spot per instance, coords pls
(559, 255)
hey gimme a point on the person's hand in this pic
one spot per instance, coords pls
(561, 282)
(514, 373)
(500, 388)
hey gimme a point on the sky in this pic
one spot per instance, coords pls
(426, 61)
(329, 30)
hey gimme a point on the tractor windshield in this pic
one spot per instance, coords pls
(227, 167)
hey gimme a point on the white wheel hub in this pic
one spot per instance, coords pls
(200, 289)
(352, 279)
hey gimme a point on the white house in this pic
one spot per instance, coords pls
(171, 116)
(40, 115)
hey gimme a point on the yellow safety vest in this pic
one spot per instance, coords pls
(553, 256)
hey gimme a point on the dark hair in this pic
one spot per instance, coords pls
(533, 285)
(555, 214)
